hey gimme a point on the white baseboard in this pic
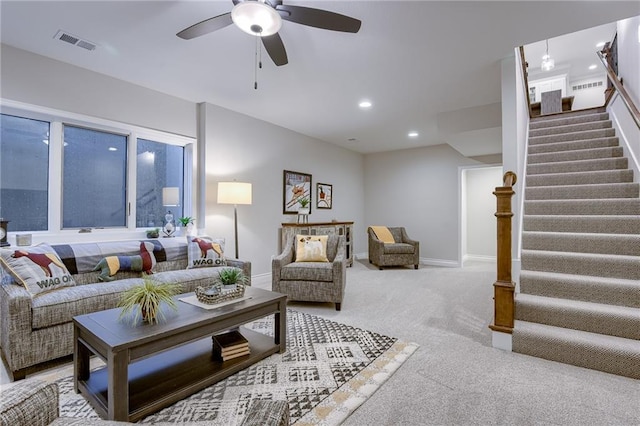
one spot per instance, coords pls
(423, 261)
(479, 258)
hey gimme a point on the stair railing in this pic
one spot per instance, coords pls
(504, 288)
(617, 84)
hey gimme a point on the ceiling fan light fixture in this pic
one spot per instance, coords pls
(256, 18)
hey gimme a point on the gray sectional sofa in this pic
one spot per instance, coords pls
(38, 328)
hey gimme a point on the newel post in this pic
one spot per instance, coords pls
(504, 288)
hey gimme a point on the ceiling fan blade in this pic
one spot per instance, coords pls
(319, 18)
(275, 48)
(207, 26)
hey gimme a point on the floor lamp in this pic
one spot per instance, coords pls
(234, 193)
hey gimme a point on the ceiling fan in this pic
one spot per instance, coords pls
(263, 18)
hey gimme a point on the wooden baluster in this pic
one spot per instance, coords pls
(503, 288)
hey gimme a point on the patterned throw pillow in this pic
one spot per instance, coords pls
(205, 252)
(38, 269)
(143, 262)
(311, 248)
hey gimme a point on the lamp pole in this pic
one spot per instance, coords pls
(235, 225)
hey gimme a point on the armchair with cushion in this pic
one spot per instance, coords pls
(391, 246)
(309, 279)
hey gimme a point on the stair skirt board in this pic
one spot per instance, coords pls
(579, 289)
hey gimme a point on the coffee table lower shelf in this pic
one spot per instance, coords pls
(163, 379)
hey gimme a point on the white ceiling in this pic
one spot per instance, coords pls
(433, 67)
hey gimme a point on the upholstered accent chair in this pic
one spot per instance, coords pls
(403, 251)
(311, 281)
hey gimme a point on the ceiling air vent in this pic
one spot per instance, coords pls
(76, 41)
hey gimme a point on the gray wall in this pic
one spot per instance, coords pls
(249, 150)
(418, 189)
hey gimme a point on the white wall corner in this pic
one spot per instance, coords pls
(501, 340)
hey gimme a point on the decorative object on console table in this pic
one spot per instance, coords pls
(170, 197)
(23, 239)
(321, 228)
(295, 186)
(3, 233)
(303, 210)
(187, 223)
(153, 233)
(230, 345)
(234, 193)
(145, 300)
(324, 196)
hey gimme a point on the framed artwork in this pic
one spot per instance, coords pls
(296, 187)
(324, 196)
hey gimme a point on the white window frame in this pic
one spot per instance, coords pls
(57, 119)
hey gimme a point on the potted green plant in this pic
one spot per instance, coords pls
(304, 203)
(145, 300)
(153, 233)
(187, 222)
(230, 277)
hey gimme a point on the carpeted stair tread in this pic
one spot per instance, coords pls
(574, 155)
(597, 265)
(614, 291)
(610, 354)
(563, 137)
(617, 206)
(569, 114)
(580, 178)
(570, 128)
(579, 144)
(578, 166)
(617, 244)
(612, 320)
(619, 224)
(594, 191)
(564, 121)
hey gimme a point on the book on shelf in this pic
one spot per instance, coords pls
(234, 355)
(230, 345)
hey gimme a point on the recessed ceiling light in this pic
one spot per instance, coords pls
(593, 67)
(412, 134)
(365, 104)
(113, 148)
(601, 44)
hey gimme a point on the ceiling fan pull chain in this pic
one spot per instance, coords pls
(255, 67)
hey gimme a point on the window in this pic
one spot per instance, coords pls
(24, 172)
(61, 172)
(94, 179)
(159, 166)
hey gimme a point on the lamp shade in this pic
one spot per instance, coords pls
(256, 18)
(171, 196)
(234, 193)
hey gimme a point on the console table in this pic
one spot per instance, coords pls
(321, 228)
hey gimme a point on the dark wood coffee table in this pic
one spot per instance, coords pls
(149, 367)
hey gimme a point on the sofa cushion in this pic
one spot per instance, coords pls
(311, 248)
(398, 248)
(39, 269)
(61, 306)
(205, 252)
(307, 271)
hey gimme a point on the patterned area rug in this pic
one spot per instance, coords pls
(328, 371)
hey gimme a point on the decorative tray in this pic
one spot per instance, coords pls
(218, 294)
